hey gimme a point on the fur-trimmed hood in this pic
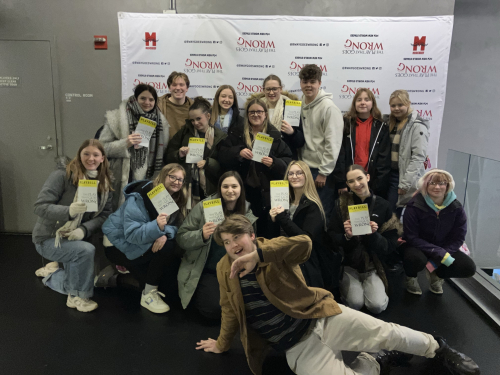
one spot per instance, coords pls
(347, 199)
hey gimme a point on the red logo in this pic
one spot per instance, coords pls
(158, 85)
(202, 64)
(150, 40)
(247, 89)
(425, 114)
(296, 67)
(255, 43)
(352, 47)
(416, 68)
(349, 92)
(419, 42)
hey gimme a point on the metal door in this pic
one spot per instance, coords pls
(28, 142)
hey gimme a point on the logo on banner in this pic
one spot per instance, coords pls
(420, 71)
(160, 86)
(150, 40)
(296, 67)
(246, 45)
(193, 66)
(419, 42)
(244, 89)
(348, 92)
(426, 114)
(369, 48)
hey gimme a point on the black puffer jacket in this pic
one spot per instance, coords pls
(379, 164)
(229, 157)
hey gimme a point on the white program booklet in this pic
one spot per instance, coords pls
(145, 128)
(196, 149)
(360, 219)
(162, 200)
(292, 112)
(280, 194)
(87, 193)
(261, 146)
(213, 211)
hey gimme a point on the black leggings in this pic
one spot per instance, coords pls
(206, 298)
(149, 267)
(414, 261)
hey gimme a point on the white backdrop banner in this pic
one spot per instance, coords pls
(381, 53)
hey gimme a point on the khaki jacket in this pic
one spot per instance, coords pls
(283, 284)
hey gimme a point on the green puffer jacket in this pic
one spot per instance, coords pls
(190, 239)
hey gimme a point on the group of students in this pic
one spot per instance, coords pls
(330, 163)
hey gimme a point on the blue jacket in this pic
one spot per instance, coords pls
(130, 229)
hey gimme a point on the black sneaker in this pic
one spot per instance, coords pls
(106, 278)
(392, 358)
(457, 363)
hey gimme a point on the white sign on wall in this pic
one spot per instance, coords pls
(381, 53)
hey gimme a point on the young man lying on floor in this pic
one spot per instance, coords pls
(271, 305)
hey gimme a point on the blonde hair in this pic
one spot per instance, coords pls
(309, 188)
(216, 106)
(246, 127)
(180, 197)
(435, 175)
(405, 98)
(76, 171)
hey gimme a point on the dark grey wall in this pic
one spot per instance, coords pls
(86, 71)
(470, 123)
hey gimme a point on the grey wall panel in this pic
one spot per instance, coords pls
(470, 121)
(327, 8)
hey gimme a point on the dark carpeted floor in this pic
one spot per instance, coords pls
(40, 335)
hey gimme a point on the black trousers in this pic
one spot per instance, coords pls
(206, 298)
(414, 261)
(148, 268)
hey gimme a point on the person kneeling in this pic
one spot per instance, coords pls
(271, 304)
(364, 282)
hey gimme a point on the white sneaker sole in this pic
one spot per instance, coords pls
(153, 310)
(73, 306)
(415, 292)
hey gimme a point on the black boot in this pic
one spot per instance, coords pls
(393, 358)
(457, 363)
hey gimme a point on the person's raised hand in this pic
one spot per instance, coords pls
(208, 230)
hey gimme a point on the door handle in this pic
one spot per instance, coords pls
(48, 147)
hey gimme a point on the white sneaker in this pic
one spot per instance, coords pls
(435, 283)
(81, 304)
(47, 270)
(153, 302)
(412, 286)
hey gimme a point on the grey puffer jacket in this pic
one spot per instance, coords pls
(52, 208)
(412, 155)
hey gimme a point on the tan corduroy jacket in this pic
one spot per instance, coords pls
(283, 284)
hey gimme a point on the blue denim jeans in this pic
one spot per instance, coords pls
(77, 277)
(327, 194)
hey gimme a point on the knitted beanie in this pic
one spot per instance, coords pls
(422, 179)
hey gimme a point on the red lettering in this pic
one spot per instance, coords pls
(345, 88)
(189, 62)
(218, 65)
(379, 46)
(151, 38)
(375, 92)
(419, 42)
(348, 43)
(241, 41)
(432, 69)
(240, 86)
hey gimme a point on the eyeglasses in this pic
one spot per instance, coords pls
(440, 183)
(175, 179)
(273, 89)
(297, 174)
(256, 113)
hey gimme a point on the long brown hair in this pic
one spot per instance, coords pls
(375, 112)
(216, 111)
(180, 197)
(246, 127)
(76, 171)
(405, 98)
(271, 77)
(240, 207)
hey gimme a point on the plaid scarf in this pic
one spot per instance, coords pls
(139, 156)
